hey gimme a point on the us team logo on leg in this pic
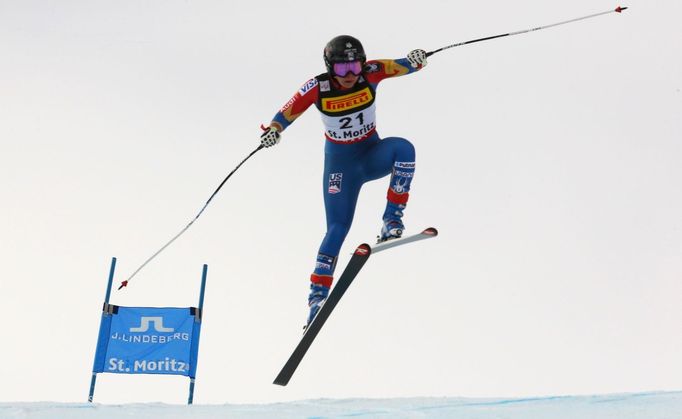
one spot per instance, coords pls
(335, 182)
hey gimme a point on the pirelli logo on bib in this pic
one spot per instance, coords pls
(347, 102)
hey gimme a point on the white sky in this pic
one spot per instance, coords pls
(550, 162)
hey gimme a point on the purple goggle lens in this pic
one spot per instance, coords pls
(342, 69)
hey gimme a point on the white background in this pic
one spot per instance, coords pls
(549, 161)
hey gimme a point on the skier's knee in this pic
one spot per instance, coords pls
(405, 150)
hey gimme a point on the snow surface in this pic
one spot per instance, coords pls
(658, 405)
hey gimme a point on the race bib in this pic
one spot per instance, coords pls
(352, 127)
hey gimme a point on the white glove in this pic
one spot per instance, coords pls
(417, 58)
(269, 137)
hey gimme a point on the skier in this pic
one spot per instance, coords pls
(354, 152)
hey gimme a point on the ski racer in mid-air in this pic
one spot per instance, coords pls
(354, 152)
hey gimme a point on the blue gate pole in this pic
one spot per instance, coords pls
(201, 313)
(106, 301)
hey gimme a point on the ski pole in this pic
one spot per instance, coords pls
(125, 283)
(487, 38)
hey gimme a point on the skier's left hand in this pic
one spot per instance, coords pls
(417, 58)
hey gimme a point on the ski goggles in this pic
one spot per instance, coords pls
(342, 69)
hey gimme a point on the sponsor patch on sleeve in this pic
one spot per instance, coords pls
(372, 67)
(307, 86)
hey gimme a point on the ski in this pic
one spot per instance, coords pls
(425, 234)
(356, 263)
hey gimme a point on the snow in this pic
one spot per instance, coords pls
(657, 405)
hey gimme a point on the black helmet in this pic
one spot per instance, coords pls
(343, 49)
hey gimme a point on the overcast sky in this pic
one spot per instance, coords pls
(549, 161)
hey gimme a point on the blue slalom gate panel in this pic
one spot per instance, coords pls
(148, 340)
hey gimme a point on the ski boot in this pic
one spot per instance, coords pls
(392, 229)
(393, 225)
(316, 298)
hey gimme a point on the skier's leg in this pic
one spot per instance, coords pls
(396, 156)
(342, 185)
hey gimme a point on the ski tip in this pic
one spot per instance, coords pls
(620, 9)
(363, 250)
(431, 231)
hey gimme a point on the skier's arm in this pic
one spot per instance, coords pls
(299, 103)
(378, 70)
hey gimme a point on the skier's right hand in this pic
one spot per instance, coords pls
(269, 137)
